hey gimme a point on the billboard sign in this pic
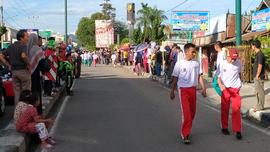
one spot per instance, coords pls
(104, 33)
(190, 21)
(260, 20)
(45, 34)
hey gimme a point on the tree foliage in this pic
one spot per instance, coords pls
(150, 19)
(265, 41)
(121, 29)
(108, 10)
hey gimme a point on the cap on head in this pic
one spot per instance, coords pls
(233, 53)
(51, 42)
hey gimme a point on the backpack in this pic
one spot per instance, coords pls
(46, 65)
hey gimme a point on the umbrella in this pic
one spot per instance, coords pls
(125, 47)
(141, 47)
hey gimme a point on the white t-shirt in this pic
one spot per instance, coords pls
(187, 72)
(113, 57)
(95, 56)
(181, 56)
(149, 53)
(229, 74)
(221, 57)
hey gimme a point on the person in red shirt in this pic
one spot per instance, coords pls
(30, 122)
(50, 76)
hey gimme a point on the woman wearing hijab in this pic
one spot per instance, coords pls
(36, 58)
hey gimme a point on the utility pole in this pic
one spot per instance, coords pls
(2, 21)
(238, 13)
(66, 28)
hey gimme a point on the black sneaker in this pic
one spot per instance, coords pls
(239, 135)
(225, 132)
(186, 140)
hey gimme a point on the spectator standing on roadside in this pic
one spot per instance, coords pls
(36, 58)
(159, 60)
(221, 57)
(50, 76)
(259, 74)
(95, 58)
(18, 63)
(113, 57)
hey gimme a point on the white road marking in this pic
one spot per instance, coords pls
(59, 115)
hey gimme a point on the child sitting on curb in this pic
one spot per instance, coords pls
(30, 122)
(22, 104)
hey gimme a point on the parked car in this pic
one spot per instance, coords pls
(6, 89)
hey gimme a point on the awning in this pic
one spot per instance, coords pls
(247, 36)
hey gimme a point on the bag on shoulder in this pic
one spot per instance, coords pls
(46, 65)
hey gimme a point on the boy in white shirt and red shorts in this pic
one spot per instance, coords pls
(186, 75)
(230, 83)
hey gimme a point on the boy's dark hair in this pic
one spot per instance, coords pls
(189, 45)
(33, 99)
(27, 97)
(20, 34)
(256, 43)
(219, 43)
(174, 45)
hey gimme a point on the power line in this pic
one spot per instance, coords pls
(29, 14)
(18, 25)
(176, 6)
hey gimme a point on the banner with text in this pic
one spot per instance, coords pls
(190, 21)
(104, 33)
(260, 20)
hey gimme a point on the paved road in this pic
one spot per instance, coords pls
(113, 110)
(8, 116)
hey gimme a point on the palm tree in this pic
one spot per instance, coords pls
(150, 19)
(144, 19)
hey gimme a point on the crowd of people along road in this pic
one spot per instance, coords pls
(37, 69)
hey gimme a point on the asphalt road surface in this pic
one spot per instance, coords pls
(113, 110)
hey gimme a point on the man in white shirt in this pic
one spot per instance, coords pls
(230, 83)
(113, 57)
(221, 57)
(186, 75)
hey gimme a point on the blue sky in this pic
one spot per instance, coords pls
(49, 14)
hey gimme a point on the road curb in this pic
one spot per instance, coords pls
(12, 141)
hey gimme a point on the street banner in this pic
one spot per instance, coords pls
(45, 34)
(260, 20)
(190, 21)
(104, 33)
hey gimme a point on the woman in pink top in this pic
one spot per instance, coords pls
(30, 122)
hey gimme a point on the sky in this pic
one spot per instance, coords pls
(49, 14)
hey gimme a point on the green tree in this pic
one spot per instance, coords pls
(121, 29)
(151, 18)
(108, 10)
(137, 36)
(125, 40)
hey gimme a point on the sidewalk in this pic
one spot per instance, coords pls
(249, 100)
(12, 141)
